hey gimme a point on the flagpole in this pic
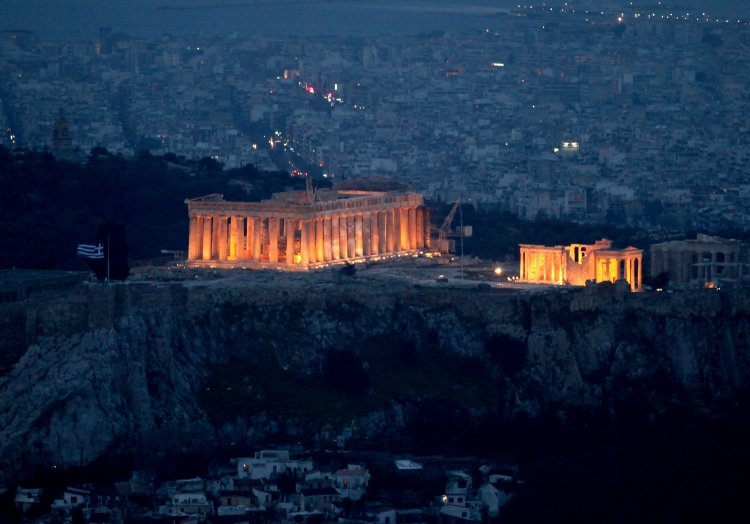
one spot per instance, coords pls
(108, 257)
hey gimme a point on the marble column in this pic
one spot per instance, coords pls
(398, 236)
(304, 243)
(250, 237)
(404, 229)
(358, 246)
(391, 230)
(198, 250)
(264, 237)
(343, 238)
(426, 224)
(257, 233)
(382, 234)
(420, 227)
(241, 249)
(221, 244)
(335, 238)
(319, 256)
(289, 228)
(629, 272)
(366, 233)
(215, 221)
(232, 239)
(273, 240)
(313, 251)
(199, 238)
(374, 233)
(327, 248)
(193, 234)
(412, 228)
(639, 274)
(351, 242)
(207, 241)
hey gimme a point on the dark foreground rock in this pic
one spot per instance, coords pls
(126, 367)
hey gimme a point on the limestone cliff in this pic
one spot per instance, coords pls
(124, 366)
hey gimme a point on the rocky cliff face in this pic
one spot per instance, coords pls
(124, 366)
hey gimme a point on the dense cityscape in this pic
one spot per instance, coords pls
(623, 115)
(443, 277)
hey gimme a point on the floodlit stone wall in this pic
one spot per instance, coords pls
(299, 231)
(577, 264)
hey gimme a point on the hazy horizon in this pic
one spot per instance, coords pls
(74, 19)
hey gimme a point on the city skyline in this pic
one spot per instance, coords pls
(148, 18)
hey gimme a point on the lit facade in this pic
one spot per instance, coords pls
(578, 263)
(298, 230)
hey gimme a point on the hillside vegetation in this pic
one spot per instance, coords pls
(48, 206)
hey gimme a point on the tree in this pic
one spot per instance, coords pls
(349, 270)
(659, 281)
(342, 371)
(48, 264)
(653, 209)
(98, 150)
(76, 516)
(316, 518)
(711, 38)
(112, 236)
(346, 506)
(511, 353)
(171, 157)
(210, 164)
(286, 483)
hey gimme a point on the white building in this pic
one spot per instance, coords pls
(188, 504)
(270, 463)
(352, 481)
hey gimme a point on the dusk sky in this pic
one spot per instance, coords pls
(82, 18)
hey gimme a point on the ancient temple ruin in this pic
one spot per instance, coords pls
(705, 259)
(578, 263)
(301, 230)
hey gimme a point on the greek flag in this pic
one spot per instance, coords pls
(89, 251)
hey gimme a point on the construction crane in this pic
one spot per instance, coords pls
(444, 231)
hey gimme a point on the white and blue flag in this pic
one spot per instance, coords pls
(91, 251)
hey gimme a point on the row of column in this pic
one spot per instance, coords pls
(616, 268)
(341, 237)
(684, 265)
(542, 266)
(549, 266)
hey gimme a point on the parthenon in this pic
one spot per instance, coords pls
(301, 230)
(578, 263)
